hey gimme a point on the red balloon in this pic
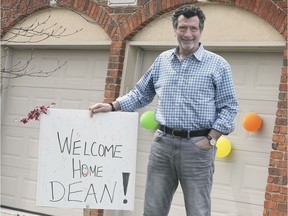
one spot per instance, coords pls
(252, 122)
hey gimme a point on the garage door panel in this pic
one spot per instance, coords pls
(177, 210)
(240, 178)
(78, 84)
(23, 188)
(140, 180)
(227, 208)
(178, 199)
(145, 144)
(14, 147)
(81, 69)
(246, 178)
(22, 100)
(21, 148)
(252, 170)
(259, 141)
(9, 183)
(255, 75)
(224, 180)
(142, 160)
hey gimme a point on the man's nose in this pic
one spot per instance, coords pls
(188, 32)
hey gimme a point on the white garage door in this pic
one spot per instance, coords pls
(240, 178)
(78, 84)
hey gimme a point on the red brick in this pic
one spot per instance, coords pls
(116, 58)
(271, 13)
(268, 196)
(283, 190)
(278, 138)
(280, 180)
(266, 212)
(275, 17)
(251, 6)
(256, 6)
(280, 20)
(261, 11)
(282, 96)
(274, 171)
(282, 147)
(284, 172)
(272, 163)
(276, 155)
(283, 130)
(281, 164)
(282, 207)
(80, 5)
(111, 94)
(275, 213)
(112, 87)
(272, 188)
(118, 45)
(283, 87)
(270, 205)
(278, 198)
(285, 55)
(113, 80)
(114, 73)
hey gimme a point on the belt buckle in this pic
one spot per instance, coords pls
(176, 130)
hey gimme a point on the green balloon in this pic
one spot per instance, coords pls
(147, 120)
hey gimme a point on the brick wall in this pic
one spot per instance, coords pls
(122, 24)
(276, 190)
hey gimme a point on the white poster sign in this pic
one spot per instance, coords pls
(87, 162)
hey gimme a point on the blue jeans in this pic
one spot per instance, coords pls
(173, 160)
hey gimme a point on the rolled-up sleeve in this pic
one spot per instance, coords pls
(142, 94)
(225, 101)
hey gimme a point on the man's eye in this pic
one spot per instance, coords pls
(182, 28)
(194, 29)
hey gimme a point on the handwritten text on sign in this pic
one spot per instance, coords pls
(87, 162)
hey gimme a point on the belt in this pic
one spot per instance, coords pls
(183, 133)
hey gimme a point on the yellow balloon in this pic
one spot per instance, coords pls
(223, 147)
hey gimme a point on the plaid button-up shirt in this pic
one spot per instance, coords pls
(196, 93)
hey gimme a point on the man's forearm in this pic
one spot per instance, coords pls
(116, 105)
(215, 134)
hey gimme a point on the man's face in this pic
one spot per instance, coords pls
(188, 34)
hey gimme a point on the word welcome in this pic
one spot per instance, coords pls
(74, 147)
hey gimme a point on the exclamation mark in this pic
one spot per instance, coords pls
(125, 184)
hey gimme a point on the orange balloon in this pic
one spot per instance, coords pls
(252, 122)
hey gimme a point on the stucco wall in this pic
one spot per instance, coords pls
(72, 28)
(224, 23)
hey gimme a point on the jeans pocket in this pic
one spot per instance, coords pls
(202, 143)
(158, 134)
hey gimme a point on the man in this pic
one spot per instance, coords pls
(196, 105)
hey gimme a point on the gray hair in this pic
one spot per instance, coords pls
(188, 11)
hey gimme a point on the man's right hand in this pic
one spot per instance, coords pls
(99, 107)
(104, 107)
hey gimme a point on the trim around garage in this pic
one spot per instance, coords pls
(62, 45)
(221, 46)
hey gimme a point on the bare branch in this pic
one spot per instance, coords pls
(23, 68)
(37, 32)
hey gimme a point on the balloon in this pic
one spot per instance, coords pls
(147, 120)
(223, 147)
(252, 122)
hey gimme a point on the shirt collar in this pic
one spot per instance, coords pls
(198, 54)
